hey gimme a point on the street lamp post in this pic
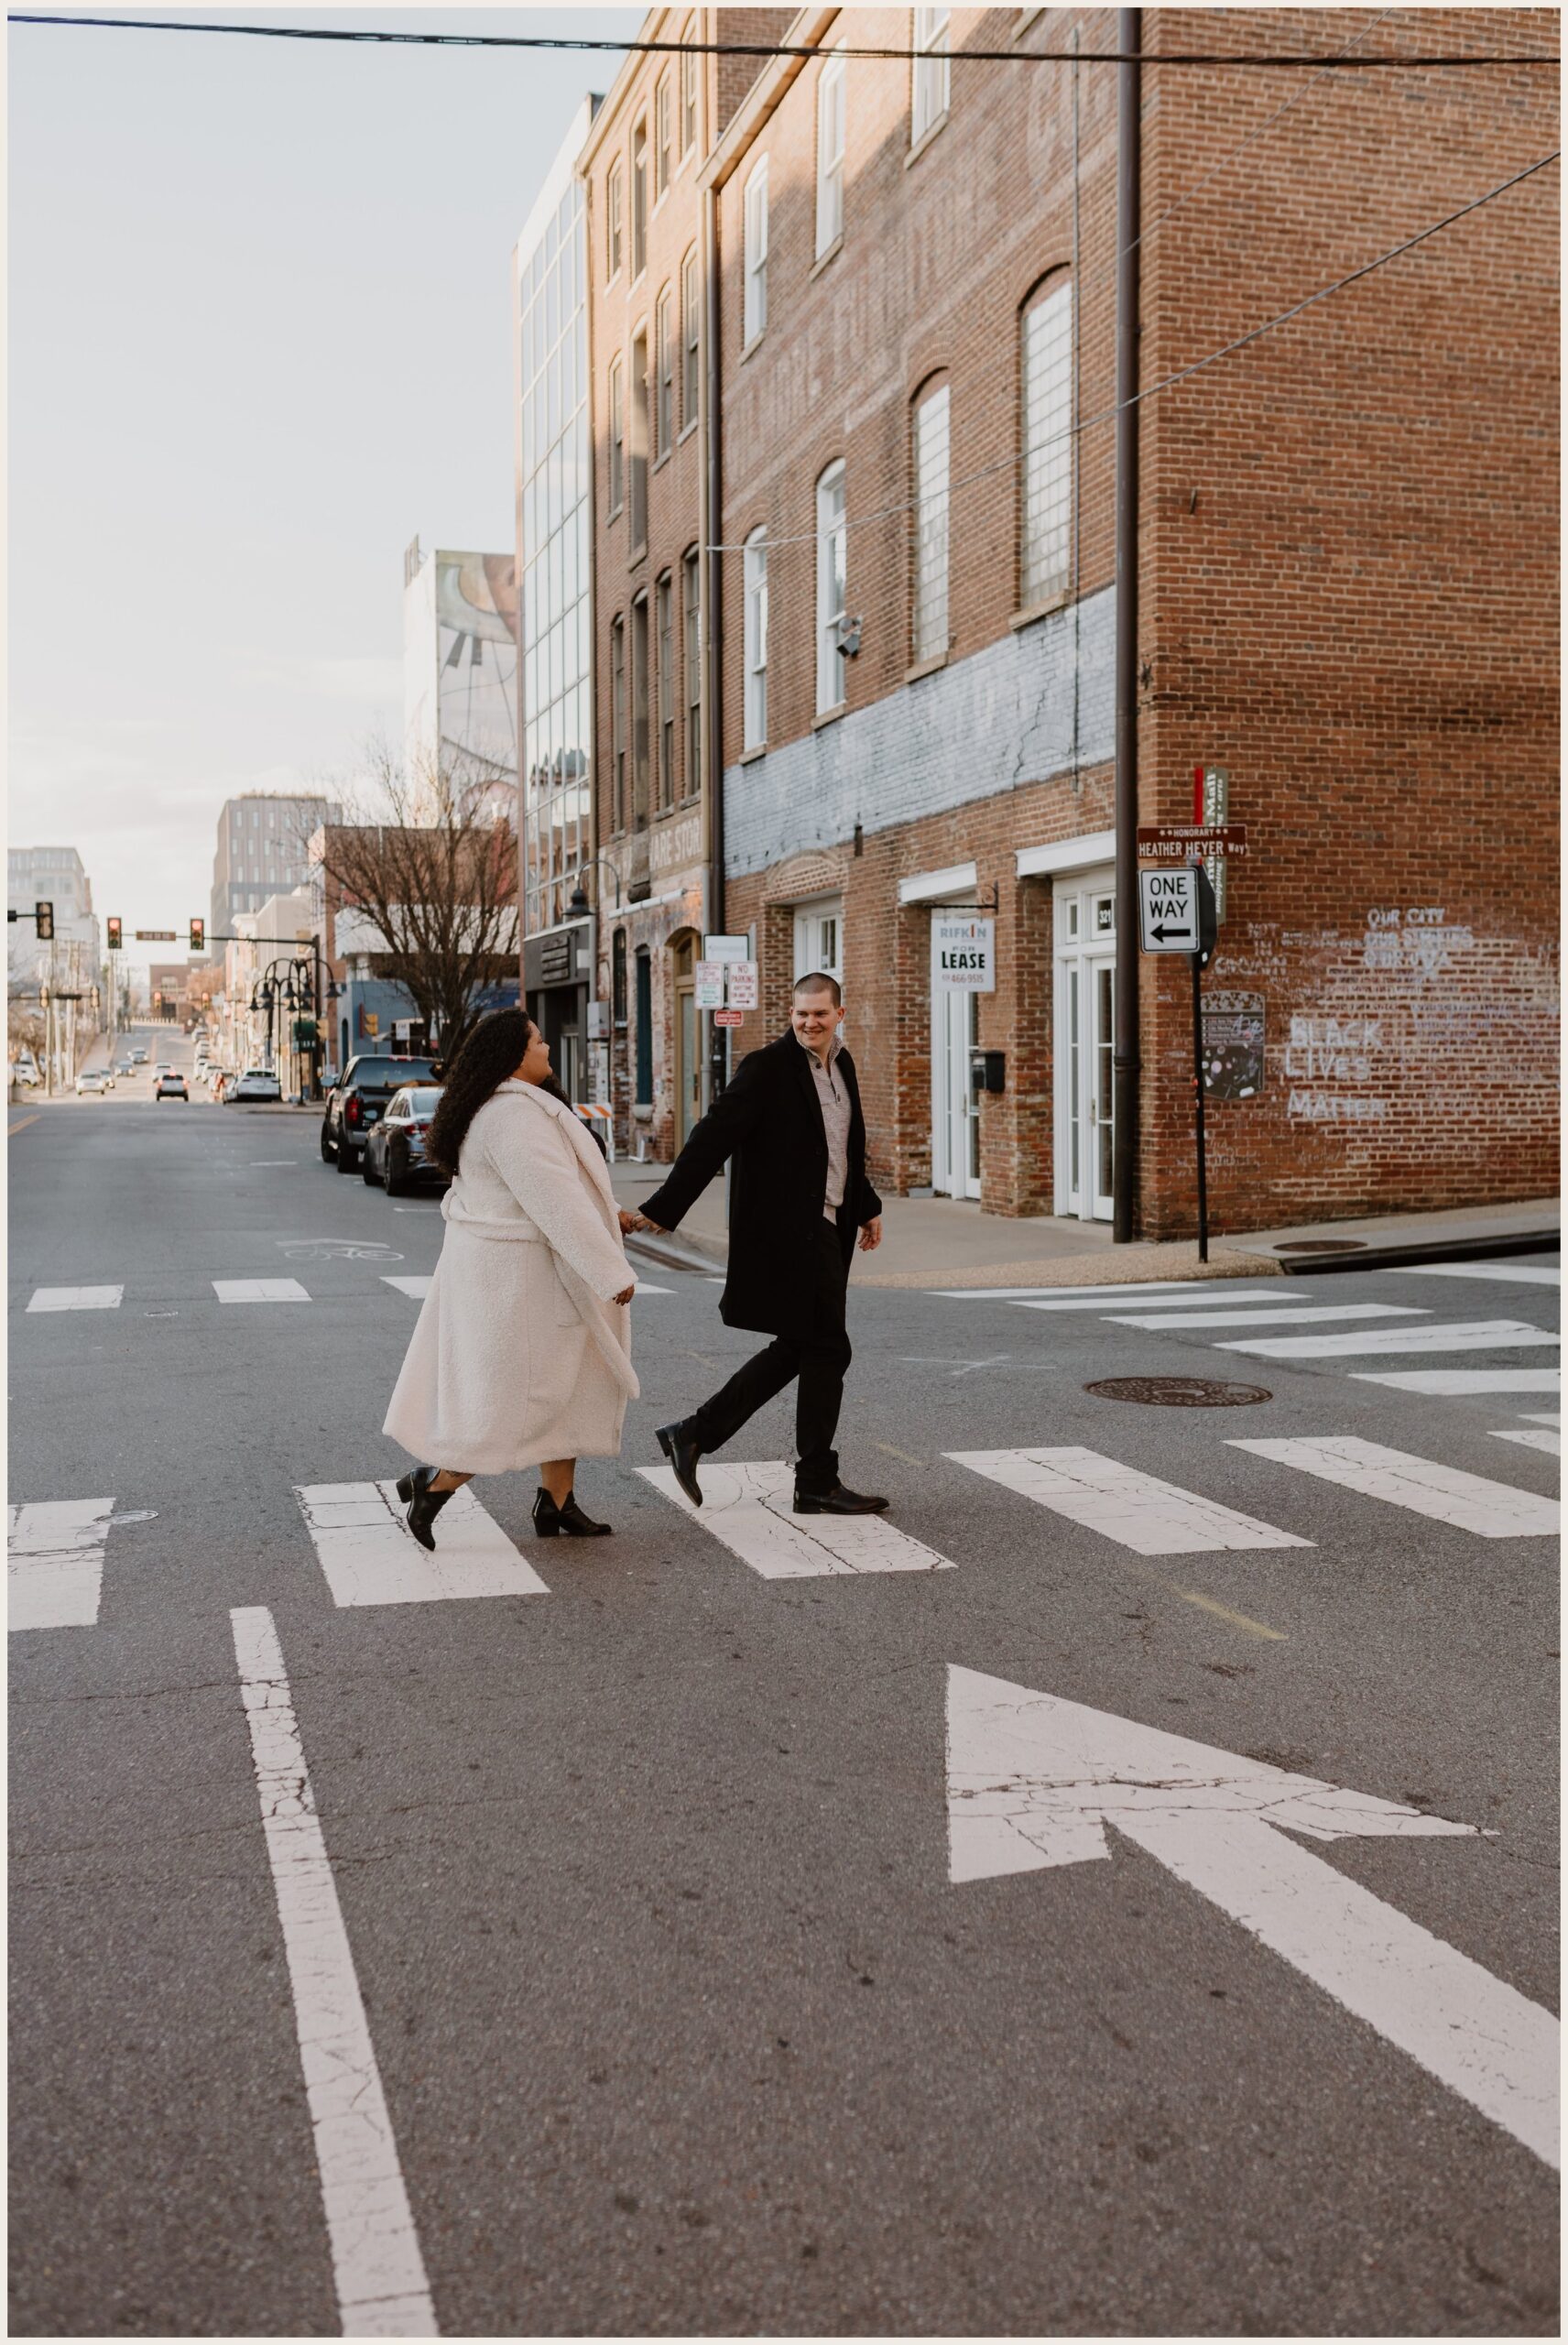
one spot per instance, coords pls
(578, 907)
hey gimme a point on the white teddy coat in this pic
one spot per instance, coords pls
(520, 1353)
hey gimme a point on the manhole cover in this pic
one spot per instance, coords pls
(1179, 1391)
(1321, 1245)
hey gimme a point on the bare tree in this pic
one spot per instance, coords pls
(431, 871)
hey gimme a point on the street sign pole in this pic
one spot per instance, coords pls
(1201, 959)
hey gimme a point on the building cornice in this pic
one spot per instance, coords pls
(808, 30)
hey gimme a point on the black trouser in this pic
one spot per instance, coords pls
(819, 1357)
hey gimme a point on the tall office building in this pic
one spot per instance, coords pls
(262, 842)
(460, 677)
(49, 875)
(554, 500)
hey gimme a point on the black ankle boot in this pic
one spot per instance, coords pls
(423, 1503)
(569, 1521)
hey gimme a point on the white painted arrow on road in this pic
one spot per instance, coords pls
(1033, 1781)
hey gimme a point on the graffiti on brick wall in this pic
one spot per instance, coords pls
(1404, 1016)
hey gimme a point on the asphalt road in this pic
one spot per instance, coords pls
(681, 2022)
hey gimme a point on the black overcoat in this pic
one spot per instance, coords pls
(769, 1123)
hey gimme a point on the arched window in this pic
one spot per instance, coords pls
(832, 667)
(929, 451)
(1045, 372)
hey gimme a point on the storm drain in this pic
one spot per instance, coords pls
(1179, 1391)
(1322, 1246)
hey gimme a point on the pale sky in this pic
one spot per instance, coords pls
(260, 337)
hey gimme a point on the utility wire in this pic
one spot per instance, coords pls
(1182, 374)
(771, 49)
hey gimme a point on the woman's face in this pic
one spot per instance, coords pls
(534, 1066)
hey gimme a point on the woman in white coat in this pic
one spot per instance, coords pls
(522, 1354)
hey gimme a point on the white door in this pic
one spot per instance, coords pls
(955, 1110)
(1084, 1042)
(819, 938)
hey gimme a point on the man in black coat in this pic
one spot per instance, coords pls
(790, 1120)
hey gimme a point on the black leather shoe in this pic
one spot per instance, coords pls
(682, 1453)
(423, 1503)
(836, 1500)
(553, 1522)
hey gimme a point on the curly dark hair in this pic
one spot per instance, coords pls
(492, 1052)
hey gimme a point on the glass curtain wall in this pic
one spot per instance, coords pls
(557, 622)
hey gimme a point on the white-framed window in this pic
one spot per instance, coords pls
(929, 95)
(832, 667)
(617, 435)
(664, 370)
(640, 199)
(754, 304)
(1045, 377)
(663, 137)
(613, 224)
(928, 627)
(691, 663)
(819, 937)
(754, 647)
(691, 329)
(830, 154)
(689, 89)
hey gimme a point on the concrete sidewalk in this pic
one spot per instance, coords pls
(933, 1242)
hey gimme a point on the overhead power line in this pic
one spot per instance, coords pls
(1340, 64)
(1181, 374)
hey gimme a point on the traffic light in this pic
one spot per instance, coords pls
(198, 936)
(44, 916)
(116, 933)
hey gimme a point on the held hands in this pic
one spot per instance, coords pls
(630, 1221)
(871, 1234)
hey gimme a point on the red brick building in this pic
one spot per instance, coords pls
(1344, 581)
(1346, 590)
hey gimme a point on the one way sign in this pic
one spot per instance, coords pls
(1168, 911)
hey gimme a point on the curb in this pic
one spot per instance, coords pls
(1438, 1250)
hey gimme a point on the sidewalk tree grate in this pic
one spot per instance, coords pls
(1179, 1391)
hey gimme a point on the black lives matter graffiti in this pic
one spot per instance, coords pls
(1232, 1046)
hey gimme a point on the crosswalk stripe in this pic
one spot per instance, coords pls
(1294, 1316)
(1471, 1503)
(415, 1287)
(1462, 1383)
(1185, 1298)
(1513, 1273)
(55, 1564)
(1016, 1293)
(749, 1509)
(1555, 1419)
(370, 1556)
(643, 1287)
(77, 1298)
(259, 1290)
(1534, 1437)
(1467, 1336)
(379, 2272)
(1136, 1511)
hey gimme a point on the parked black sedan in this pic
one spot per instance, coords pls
(394, 1153)
(357, 1103)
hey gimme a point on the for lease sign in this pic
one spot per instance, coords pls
(963, 955)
